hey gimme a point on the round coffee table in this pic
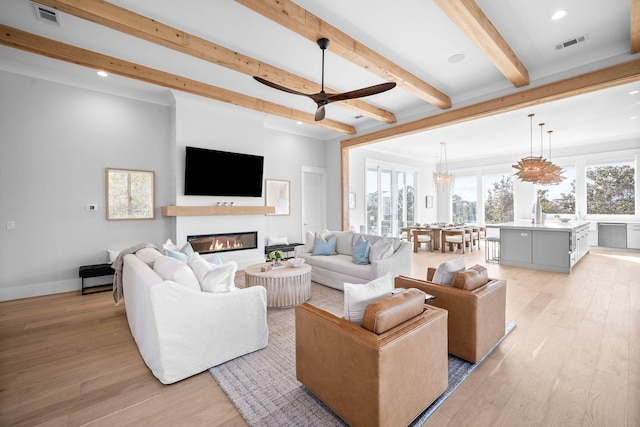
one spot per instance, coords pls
(286, 286)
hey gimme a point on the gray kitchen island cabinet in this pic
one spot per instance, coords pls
(552, 246)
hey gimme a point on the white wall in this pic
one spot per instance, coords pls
(56, 142)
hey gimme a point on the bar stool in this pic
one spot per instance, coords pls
(492, 249)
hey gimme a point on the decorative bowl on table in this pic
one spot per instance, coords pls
(296, 262)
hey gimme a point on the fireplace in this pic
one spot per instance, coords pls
(224, 242)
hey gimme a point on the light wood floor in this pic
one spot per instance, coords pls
(573, 359)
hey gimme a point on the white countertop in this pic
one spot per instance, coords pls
(552, 225)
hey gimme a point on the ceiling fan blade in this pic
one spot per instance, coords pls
(320, 113)
(359, 93)
(277, 86)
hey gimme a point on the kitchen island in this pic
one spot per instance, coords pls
(550, 246)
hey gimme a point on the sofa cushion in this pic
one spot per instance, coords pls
(213, 278)
(360, 251)
(148, 255)
(324, 247)
(358, 296)
(389, 312)
(383, 248)
(447, 270)
(340, 263)
(344, 242)
(277, 240)
(471, 279)
(177, 271)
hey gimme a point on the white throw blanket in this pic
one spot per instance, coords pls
(117, 266)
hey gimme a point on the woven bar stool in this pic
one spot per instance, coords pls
(492, 249)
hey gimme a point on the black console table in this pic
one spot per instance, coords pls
(96, 270)
(290, 247)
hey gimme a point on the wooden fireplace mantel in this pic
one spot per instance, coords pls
(216, 210)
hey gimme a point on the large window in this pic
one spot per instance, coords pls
(561, 198)
(498, 198)
(464, 199)
(390, 200)
(611, 188)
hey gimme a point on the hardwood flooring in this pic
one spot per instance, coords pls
(573, 359)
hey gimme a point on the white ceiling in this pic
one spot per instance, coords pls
(414, 34)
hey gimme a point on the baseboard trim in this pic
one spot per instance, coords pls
(39, 289)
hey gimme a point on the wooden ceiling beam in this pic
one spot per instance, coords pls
(616, 75)
(53, 49)
(128, 22)
(635, 26)
(468, 16)
(304, 23)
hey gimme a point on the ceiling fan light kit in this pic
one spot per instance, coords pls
(322, 98)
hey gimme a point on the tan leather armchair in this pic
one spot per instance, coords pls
(383, 373)
(476, 317)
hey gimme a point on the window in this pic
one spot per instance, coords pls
(130, 194)
(464, 200)
(611, 188)
(498, 198)
(390, 200)
(559, 199)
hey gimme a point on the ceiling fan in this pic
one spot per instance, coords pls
(322, 98)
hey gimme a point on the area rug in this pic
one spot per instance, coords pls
(263, 386)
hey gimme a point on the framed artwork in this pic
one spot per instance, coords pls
(352, 200)
(429, 201)
(130, 194)
(278, 195)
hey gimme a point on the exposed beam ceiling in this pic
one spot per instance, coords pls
(65, 52)
(304, 23)
(468, 16)
(131, 23)
(601, 79)
(635, 26)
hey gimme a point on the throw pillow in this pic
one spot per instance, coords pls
(148, 255)
(177, 271)
(360, 251)
(113, 254)
(213, 258)
(344, 242)
(180, 254)
(213, 278)
(447, 270)
(471, 279)
(273, 241)
(358, 296)
(324, 247)
(383, 248)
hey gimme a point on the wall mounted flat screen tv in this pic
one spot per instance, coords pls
(222, 173)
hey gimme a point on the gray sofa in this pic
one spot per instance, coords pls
(335, 270)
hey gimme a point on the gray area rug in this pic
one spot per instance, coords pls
(263, 386)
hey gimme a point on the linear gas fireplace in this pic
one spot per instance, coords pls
(224, 242)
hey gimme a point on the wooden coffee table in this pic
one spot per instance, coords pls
(286, 286)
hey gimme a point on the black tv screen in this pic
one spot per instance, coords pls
(222, 173)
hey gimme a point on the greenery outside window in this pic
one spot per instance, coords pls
(464, 199)
(390, 200)
(130, 194)
(611, 188)
(559, 199)
(498, 198)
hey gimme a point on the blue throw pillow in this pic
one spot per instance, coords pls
(360, 251)
(214, 259)
(183, 254)
(324, 247)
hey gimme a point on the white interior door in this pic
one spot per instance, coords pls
(314, 199)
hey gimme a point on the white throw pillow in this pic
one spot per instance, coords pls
(358, 296)
(213, 278)
(447, 270)
(383, 248)
(113, 254)
(177, 271)
(344, 242)
(273, 241)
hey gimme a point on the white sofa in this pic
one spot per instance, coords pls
(181, 331)
(335, 270)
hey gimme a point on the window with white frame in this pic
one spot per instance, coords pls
(464, 199)
(611, 188)
(498, 198)
(559, 199)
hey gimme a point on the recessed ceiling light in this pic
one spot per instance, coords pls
(454, 59)
(559, 14)
(633, 92)
(102, 73)
(299, 123)
(633, 117)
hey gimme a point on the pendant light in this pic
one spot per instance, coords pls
(442, 179)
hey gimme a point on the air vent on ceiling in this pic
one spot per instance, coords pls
(572, 42)
(47, 15)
